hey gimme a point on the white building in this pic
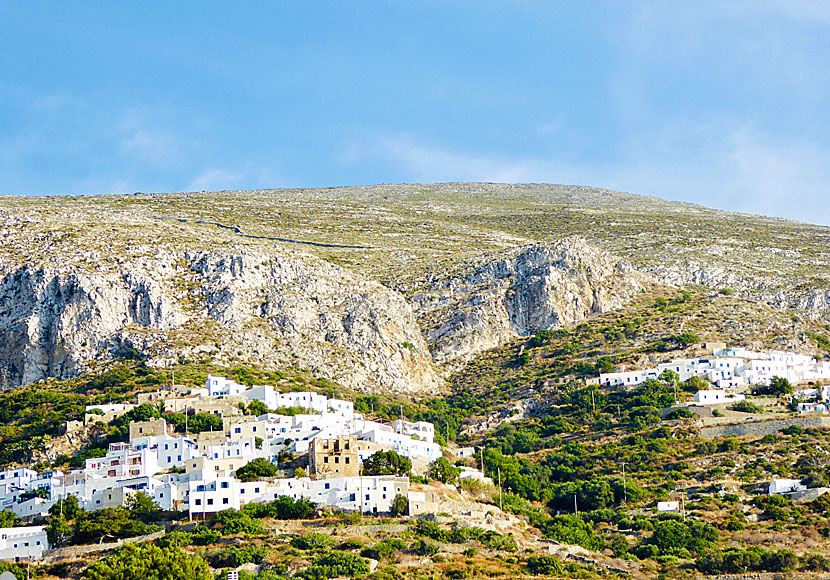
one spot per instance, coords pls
(716, 397)
(668, 506)
(19, 544)
(420, 429)
(779, 486)
(220, 386)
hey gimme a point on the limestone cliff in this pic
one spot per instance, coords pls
(529, 289)
(272, 309)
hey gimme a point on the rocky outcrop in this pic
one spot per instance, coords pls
(273, 309)
(530, 289)
(53, 321)
(357, 332)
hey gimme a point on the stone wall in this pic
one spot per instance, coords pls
(759, 429)
(74, 552)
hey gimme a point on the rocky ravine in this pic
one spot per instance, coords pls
(280, 308)
(530, 289)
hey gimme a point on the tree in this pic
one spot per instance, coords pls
(113, 523)
(443, 471)
(8, 519)
(68, 506)
(257, 408)
(236, 522)
(142, 507)
(386, 463)
(669, 377)
(300, 472)
(58, 532)
(400, 505)
(150, 562)
(256, 469)
(777, 386)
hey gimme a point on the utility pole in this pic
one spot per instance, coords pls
(625, 492)
(501, 504)
(593, 402)
(576, 509)
(683, 504)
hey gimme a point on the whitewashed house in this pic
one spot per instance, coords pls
(220, 387)
(19, 544)
(716, 397)
(779, 486)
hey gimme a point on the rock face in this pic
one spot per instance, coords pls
(51, 322)
(531, 289)
(272, 309)
(357, 332)
(278, 308)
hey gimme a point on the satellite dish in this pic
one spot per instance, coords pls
(7, 576)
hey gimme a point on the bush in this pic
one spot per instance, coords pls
(235, 556)
(235, 522)
(256, 469)
(400, 505)
(746, 407)
(312, 541)
(204, 536)
(545, 565)
(335, 565)
(383, 549)
(571, 529)
(424, 548)
(150, 562)
(681, 413)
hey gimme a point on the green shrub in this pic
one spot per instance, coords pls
(150, 562)
(335, 565)
(256, 469)
(312, 541)
(236, 522)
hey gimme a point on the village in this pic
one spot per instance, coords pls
(733, 371)
(196, 473)
(320, 443)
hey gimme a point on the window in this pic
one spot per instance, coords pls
(256, 490)
(328, 485)
(210, 501)
(225, 500)
(337, 460)
(198, 502)
(224, 485)
(347, 460)
(238, 430)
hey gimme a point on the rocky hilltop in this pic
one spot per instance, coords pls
(379, 288)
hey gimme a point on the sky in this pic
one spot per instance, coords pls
(723, 103)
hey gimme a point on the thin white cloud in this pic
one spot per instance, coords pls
(742, 171)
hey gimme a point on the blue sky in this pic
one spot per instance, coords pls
(723, 103)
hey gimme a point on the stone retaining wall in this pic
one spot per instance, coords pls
(761, 428)
(74, 552)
